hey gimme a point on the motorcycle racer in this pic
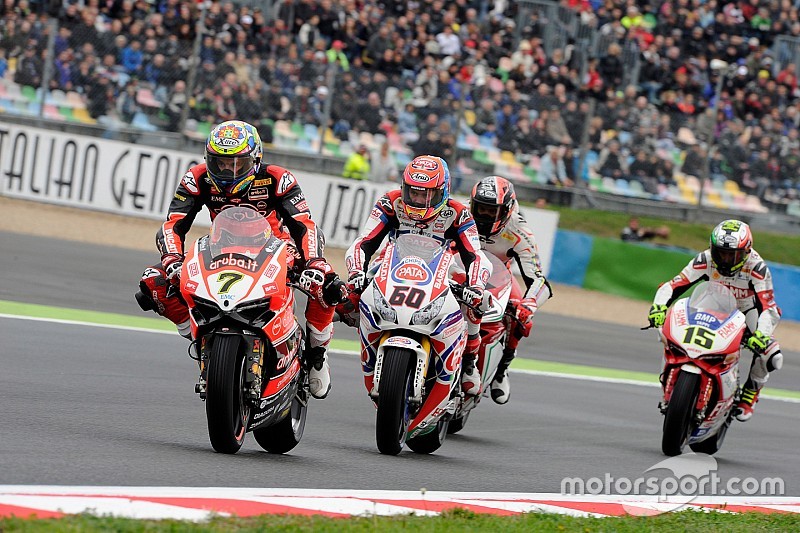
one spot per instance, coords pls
(732, 261)
(422, 205)
(505, 233)
(235, 175)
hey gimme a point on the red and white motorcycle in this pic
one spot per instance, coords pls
(413, 336)
(702, 338)
(249, 344)
(493, 338)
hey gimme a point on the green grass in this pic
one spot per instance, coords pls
(456, 521)
(773, 247)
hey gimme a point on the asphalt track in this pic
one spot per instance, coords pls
(84, 405)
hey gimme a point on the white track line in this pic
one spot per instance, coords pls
(562, 375)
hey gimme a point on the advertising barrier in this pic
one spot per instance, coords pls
(137, 180)
(636, 270)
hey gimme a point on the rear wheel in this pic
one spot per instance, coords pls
(457, 424)
(391, 421)
(226, 410)
(680, 411)
(286, 434)
(432, 441)
(713, 444)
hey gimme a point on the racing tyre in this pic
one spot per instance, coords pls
(431, 441)
(680, 412)
(457, 424)
(713, 444)
(391, 421)
(226, 410)
(286, 434)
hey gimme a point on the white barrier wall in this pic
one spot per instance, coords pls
(130, 179)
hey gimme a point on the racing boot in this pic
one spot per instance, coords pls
(747, 402)
(470, 377)
(319, 373)
(156, 293)
(500, 387)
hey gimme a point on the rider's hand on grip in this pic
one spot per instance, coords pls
(523, 311)
(172, 264)
(312, 278)
(357, 281)
(473, 296)
(758, 342)
(657, 316)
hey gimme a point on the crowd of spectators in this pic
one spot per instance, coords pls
(410, 66)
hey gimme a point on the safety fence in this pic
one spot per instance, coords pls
(636, 270)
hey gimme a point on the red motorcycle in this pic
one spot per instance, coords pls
(702, 338)
(249, 344)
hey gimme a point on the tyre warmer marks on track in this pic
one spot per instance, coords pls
(199, 504)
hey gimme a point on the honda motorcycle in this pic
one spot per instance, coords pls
(493, 338)
(702, 337)
(248, 342)
(413, 335)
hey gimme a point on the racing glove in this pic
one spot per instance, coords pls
(758, 342)
(473, 296)
(658, 315)
(172, 264)
(523, 310)
(320, 281)
(357, 281)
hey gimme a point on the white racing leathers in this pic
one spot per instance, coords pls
(453, 222)
(752, 288)
(516, 241)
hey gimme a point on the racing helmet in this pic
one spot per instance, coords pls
(426, 187)
(731, 242)
(491, 203)
(233, 156)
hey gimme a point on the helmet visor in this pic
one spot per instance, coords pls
(421, 197)
(727, 260)
(228, 170)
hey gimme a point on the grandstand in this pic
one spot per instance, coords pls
(490, 94)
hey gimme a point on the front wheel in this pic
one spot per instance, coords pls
(391, 421)
(286, 434)
(226, 409)
(680, 411)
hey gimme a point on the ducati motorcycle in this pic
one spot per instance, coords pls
(702, 337)
(413, 335)
(248, 342)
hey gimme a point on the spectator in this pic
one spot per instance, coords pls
(552, 169)
(611, 164)
(127, 107)
(29, 68)
(357, 166)
(633, 232)
(382, 165)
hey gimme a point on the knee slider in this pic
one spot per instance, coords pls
(144, 299)
(775, 362)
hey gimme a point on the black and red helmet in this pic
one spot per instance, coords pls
(492, 201)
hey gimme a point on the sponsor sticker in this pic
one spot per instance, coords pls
(190, 184)
(411, 271)
(287, 180)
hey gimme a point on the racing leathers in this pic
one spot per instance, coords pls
(516, 242)
(275, 194)
(454, 222)
(752, 288)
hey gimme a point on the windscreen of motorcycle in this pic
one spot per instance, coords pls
(239, 230)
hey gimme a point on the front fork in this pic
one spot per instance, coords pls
(705, 390)
(254, 362)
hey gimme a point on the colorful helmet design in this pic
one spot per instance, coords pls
(731, 242)
(233, 156)
(426, 187)
(492, 201)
